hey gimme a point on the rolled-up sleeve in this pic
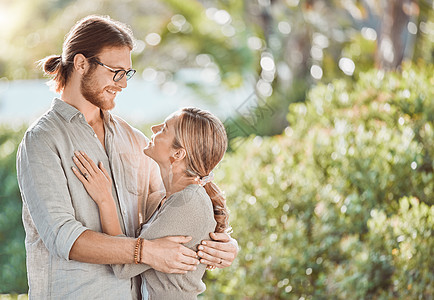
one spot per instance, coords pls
(45, 191)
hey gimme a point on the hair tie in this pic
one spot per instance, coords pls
(204, 180)
(62, 60)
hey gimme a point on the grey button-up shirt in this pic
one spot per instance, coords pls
(57, 208)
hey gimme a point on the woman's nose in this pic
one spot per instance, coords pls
(155, 128)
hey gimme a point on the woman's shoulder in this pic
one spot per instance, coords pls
(195, 190)
(193, 197)
(190, 192)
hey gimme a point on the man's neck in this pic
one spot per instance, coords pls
(73, 97)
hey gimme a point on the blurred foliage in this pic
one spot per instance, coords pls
(13, 276)
(340, 206)
(278, 48)
(14, 297)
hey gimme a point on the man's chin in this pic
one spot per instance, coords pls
(108, 107)
(104, 105)
(108, 104)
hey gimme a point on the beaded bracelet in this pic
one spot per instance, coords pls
(137, 251)
(140, 249)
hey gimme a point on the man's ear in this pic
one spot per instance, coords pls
(179, 154)
(80, 63)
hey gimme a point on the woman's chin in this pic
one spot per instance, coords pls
(148, 151)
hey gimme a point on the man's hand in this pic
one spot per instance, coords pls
(168, 255)
(220, 253)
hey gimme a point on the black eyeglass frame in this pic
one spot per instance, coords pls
(129, 73)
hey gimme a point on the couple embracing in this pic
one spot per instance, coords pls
(108, 213)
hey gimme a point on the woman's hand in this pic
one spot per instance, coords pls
(96, 180)
(98, 184)
(219, 253)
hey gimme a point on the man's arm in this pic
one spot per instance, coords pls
(99, 248)
(45, 191)
(165, 254)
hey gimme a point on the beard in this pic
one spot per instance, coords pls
(89, 91)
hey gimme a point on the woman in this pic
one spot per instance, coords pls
(187, 147)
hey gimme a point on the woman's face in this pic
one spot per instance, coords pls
(160, 147)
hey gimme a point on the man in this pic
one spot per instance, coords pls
(67, 255)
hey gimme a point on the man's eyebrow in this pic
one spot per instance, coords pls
(119, 68)
(122, 68)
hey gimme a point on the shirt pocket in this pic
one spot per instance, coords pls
(134, 172)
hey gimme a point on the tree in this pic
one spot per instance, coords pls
(279, 48)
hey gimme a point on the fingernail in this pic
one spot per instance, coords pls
(76, 152)
(200, 247)
(74, 158)
(73, 168)
(203, 242)
(200, 253)
(81, 152)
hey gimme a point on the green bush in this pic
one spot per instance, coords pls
(12, 252)
(340, 205)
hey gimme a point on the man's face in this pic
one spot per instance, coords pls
(97, 84)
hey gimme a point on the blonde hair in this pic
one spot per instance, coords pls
(204, 139)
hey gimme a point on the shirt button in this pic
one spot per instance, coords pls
(80, 116)
(125, 212)
(95, 135)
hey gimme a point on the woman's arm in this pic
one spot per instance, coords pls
(165, 254)
(109, 219)
(98, 184)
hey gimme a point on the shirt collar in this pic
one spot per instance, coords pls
(68, 112)
(108, 118)
(64, 109)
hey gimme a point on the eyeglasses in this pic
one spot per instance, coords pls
(119, 74)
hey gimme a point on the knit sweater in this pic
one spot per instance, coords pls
(187, 213)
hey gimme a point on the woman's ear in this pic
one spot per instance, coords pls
(80, 63)
(179, 154)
